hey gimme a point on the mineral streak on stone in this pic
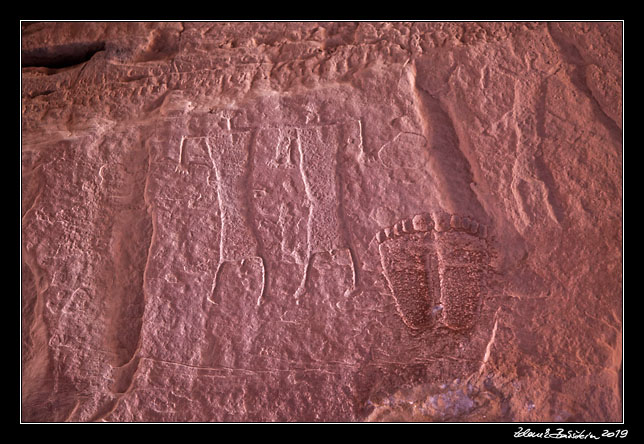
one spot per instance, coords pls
(351, 221)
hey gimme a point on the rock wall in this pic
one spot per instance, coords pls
(321, 221)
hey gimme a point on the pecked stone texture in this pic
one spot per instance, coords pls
(321, 221)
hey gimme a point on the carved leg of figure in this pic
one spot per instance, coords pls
(330, 268)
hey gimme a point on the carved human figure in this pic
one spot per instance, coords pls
(229, 152)
(318, 148)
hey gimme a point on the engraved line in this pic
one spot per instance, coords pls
(488, 349)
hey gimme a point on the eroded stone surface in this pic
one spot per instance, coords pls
(321, 221)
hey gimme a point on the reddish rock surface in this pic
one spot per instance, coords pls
(322, 221)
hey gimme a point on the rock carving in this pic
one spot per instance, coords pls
(435, 270)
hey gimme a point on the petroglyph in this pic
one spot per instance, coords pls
(435, 268)
(193, 151)
(318, 147)
(285, 149)
(463, 262)
(229, 152)
(193, 168)
(410, 268)
(406, 150)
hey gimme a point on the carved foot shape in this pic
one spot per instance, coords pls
(435, 268)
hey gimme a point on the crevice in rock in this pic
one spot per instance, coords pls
(61, 56)
(451, 166)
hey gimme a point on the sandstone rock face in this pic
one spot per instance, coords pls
(321, 221)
